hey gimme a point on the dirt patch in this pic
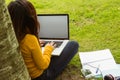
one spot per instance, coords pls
(71, 73)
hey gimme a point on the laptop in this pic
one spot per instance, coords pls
(54, 27)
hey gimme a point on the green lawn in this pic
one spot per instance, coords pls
(95, 24)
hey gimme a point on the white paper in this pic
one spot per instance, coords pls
(114, 72)
(101, 60)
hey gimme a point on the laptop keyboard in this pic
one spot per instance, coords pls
(58, 43)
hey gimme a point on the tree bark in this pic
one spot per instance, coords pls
(12, 65)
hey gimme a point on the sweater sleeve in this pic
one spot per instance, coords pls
(41, 60)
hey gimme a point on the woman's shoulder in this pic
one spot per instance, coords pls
(29, 38)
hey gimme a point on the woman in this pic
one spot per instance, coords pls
(41, 66)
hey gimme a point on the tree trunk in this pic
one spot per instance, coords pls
(12, 66)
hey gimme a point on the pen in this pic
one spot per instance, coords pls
(97, 69)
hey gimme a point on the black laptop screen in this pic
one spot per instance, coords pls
(54, 26)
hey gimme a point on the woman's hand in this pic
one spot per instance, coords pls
(42, 42)
(52, 44)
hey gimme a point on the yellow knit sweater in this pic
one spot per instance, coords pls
(35, 60)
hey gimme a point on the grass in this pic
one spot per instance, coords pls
(95, 24)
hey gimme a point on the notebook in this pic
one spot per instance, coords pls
(54, 27)
(100, 62)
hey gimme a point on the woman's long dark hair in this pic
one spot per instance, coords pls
(24, 18)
